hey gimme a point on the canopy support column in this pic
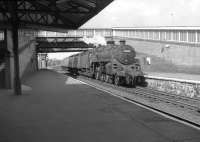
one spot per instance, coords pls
(17, 81)
(8, 78)
(14, 29)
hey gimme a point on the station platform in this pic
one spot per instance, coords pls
(175, 76)
(55, 107)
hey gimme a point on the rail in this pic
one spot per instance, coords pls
(182, 101)
(192, 104)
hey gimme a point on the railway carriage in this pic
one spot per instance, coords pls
(73, 64)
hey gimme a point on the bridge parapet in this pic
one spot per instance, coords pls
(58, 39)
(61, 44)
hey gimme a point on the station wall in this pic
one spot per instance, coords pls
(27, 54)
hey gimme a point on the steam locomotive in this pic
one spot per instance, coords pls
(112, 63)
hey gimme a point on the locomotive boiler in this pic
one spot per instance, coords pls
(112, 63)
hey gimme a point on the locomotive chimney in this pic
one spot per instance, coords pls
(122, 42)
(111, 42)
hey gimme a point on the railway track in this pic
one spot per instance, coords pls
(195, 101)
(192, 104)
(160, 102)
(152, 95)
(180, 101)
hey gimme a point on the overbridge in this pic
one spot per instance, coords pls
(61, 44)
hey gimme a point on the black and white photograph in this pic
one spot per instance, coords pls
(99, 71)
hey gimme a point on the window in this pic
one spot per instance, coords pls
(183, 36)
(191, 36)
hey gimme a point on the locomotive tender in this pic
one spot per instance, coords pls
(113, 63)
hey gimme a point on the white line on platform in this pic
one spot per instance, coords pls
(138, 104)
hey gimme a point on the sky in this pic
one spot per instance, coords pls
(140, 13)
(60, 55)
(134, 13)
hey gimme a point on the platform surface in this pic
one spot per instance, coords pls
(181, 76)
(57, 108)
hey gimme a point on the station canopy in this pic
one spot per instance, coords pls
(49, 14)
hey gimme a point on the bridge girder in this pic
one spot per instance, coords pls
(61, 44)
(56, 50)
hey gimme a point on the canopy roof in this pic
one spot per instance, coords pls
(49, 14)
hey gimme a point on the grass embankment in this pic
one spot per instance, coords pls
(161, 65)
